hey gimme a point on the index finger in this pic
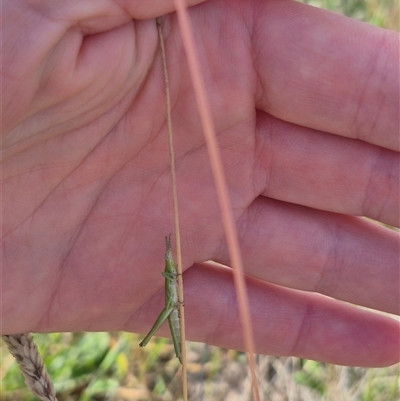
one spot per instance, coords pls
(327, 72)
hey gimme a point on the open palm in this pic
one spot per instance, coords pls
(306, 119)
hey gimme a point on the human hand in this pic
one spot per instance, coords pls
(306, 109)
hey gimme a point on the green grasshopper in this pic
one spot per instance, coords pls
(171, 310)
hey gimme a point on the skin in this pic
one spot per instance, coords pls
(306, 107)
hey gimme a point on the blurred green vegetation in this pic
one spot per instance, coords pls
(86, 365)
(111, 366)
(382, 13)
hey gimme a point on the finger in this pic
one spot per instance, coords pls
(327, 172)
(94, 16)
(347, 258)
(77, 45)
(154, 8)
(285, 322)
(79, 49)
(327, 72)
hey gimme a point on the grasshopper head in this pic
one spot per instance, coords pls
(169, 262)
